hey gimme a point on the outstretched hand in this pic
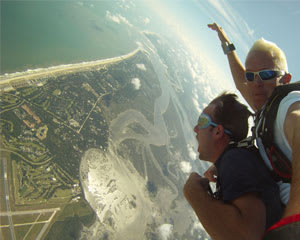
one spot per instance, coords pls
(221, 33)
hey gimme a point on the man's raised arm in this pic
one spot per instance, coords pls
(236, 66)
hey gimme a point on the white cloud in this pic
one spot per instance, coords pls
(204, 105)
(185, 166)
(165, 231)
(136, 83)
(196, 104)
(112, 17)
(192, 70)
(141, 66)
(117, 18)
(219, 6)
(210, 78)
(196, 101)
(191, 152)
(197, 227)
(147, 20)
(124, 20)
(140, 45)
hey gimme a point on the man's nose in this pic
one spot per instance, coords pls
(257, 80)
(196, 129)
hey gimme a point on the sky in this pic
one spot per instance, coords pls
(243, 21)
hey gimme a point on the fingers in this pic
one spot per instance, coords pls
(196, 187)
(191, 187)
(214, 26)
(195, 175)
(221, 33)
(211, 174)
(210, 177)
(195, 181)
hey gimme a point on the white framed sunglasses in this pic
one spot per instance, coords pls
(264, 74)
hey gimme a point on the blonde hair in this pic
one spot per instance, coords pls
(278, 56)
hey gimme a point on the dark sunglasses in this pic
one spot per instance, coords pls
(264, 74)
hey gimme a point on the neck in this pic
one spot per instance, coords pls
(220, 148)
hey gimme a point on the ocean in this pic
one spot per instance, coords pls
(37, 34)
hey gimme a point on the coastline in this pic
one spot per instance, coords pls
(14, 80)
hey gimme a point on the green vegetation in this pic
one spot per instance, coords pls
(46, 128)
(71, 221)
(21, 231)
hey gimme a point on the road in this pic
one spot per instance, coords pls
(6, 192)
(29, 212)
(9, 213)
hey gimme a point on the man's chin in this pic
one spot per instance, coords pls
(201, 158)
(260, 101)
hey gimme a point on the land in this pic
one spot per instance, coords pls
(49, 118)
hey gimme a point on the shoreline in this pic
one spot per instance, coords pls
(7, 81)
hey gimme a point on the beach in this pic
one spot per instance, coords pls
(11, 81)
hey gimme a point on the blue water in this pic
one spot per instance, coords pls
(48, 33)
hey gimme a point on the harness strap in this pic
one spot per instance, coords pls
(285, 221)
(264, 123)
(286, 228)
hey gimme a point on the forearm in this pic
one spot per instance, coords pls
(293, 206)
(236, 66)
(238, 74)
(292, 130)
(224, 221)
(237, 70)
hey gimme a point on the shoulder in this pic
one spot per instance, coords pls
(238, 154)
(287, 110)
(293, 111)
(239, 173)
(292, 122)
(238, 159)
(289, 100)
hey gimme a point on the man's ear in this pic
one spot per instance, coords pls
(219, 131)
(286, 78)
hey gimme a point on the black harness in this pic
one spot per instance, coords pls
(264, 132)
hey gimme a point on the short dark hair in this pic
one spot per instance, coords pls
(232, 115)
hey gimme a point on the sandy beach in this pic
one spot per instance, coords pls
(7, 81)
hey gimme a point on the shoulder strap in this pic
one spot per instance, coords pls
(279, 162)
(271, 108)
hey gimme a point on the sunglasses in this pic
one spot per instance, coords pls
(264, 74)
(204, 121)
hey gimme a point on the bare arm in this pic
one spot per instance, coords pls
(236, 66)
(244, 218)
(292, 133)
